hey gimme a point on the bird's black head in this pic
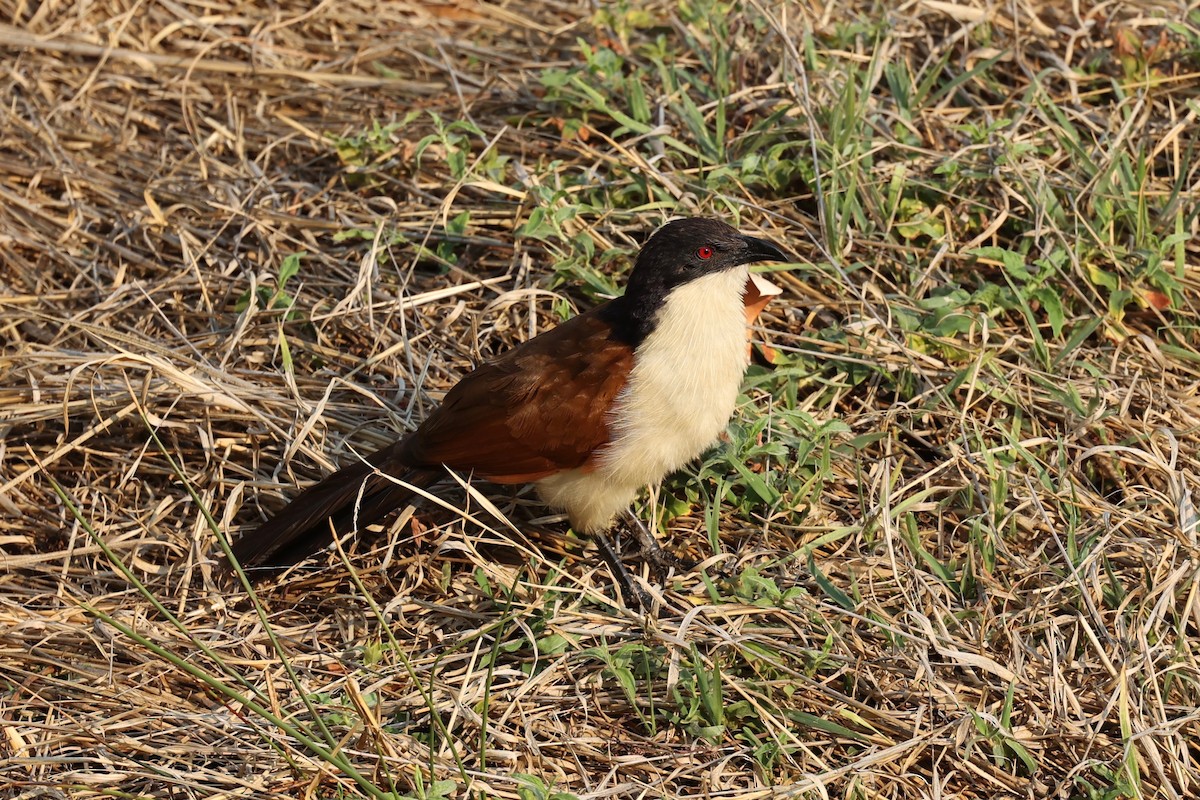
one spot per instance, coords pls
(679, 252)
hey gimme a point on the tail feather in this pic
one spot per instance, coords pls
(353, 497)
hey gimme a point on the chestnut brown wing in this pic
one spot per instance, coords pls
(540, 408)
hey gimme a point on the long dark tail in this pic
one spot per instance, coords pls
(353, 497)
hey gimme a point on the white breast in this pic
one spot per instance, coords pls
(677, 402)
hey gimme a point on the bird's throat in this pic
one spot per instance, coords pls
(688, 370)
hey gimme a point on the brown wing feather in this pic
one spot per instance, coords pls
(534, 411)
(537, 409)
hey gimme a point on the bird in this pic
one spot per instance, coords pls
(589, 412)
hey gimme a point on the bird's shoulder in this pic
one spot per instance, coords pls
(537, 409)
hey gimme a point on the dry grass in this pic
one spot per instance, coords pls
(985, 583)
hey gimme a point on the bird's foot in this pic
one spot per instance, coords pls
(633, 594)
(661, 562)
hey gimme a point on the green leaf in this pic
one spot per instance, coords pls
(1013, 263)
(458, 225)
(1052, 305)
(538, 226)
(289, 268)
(755, 484)
(822, 724)
(1102, 278)
(837, 595)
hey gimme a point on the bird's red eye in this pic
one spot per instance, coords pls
(705, 252)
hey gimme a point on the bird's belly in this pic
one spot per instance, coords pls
(676, 403)
(666, 418)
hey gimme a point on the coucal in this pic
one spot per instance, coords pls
(590, 411)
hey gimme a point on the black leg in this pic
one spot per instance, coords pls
(633, 594)
(652, 552)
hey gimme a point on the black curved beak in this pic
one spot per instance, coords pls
(756, 249)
